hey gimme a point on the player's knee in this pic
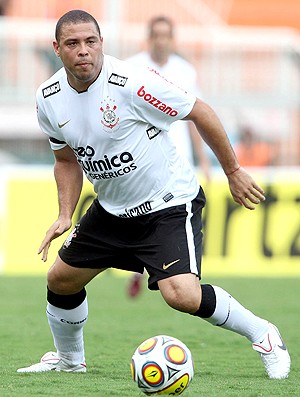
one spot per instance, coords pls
(180, 298)
(184, 304)
(181, 292)
(60, 284)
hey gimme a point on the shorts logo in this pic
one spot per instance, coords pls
(117, 80)
(51, 89)
(72, 235)
(152, 132)
(110, 119)
(165, 267)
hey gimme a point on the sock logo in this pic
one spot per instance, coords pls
(73, 322)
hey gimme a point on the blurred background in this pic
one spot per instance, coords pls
(247, 56)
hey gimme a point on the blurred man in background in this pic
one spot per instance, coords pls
(3, 6)
(161, 56)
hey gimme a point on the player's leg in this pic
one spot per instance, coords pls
(67, 313)
(220, 309)
(183, 292)
(67, 309)
(78, 263)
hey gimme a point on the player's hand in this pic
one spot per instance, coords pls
(244, 189)
(56, 230)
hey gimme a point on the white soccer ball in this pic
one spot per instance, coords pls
(162, 365)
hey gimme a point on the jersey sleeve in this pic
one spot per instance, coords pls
(56, 140)
(157, 101)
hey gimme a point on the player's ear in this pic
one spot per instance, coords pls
(56, 48)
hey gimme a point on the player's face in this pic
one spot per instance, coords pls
(80, 49)
(161, 40)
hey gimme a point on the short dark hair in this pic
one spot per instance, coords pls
(74, 17)
(160, 19)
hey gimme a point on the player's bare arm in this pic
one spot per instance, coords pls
(69, 179)
(201, 155)
(243, 188)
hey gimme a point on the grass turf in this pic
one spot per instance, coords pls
(225, 364)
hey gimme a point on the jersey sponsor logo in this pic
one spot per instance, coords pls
(109, 118)
(107, 163)
(81, 151)
(156, 102)
(137, 211)
(116, 79)
(168, 197)
(105, 168)
(51, 89)
(112, 174)
(152, 132)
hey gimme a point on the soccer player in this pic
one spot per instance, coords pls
(161, 56)
(108, 119)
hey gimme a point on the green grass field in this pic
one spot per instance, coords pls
(225, 364)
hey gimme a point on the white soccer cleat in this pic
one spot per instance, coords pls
(274, 354)
(51, 362)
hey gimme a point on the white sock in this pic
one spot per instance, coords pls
(231, 315)
(67, 330)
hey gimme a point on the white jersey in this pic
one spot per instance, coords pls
(117, 130)
(184, 75)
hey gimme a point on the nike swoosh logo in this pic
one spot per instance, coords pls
(283, 346)
(170, 264)
(63, 124)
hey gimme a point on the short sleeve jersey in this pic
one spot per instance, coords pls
(117, 131)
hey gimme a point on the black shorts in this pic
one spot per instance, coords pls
(165, 243)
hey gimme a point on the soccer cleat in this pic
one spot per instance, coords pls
(51, 362)
(274, 354)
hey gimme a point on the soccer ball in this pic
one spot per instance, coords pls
(162, 365)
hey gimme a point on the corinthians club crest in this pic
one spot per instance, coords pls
(110, 119)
